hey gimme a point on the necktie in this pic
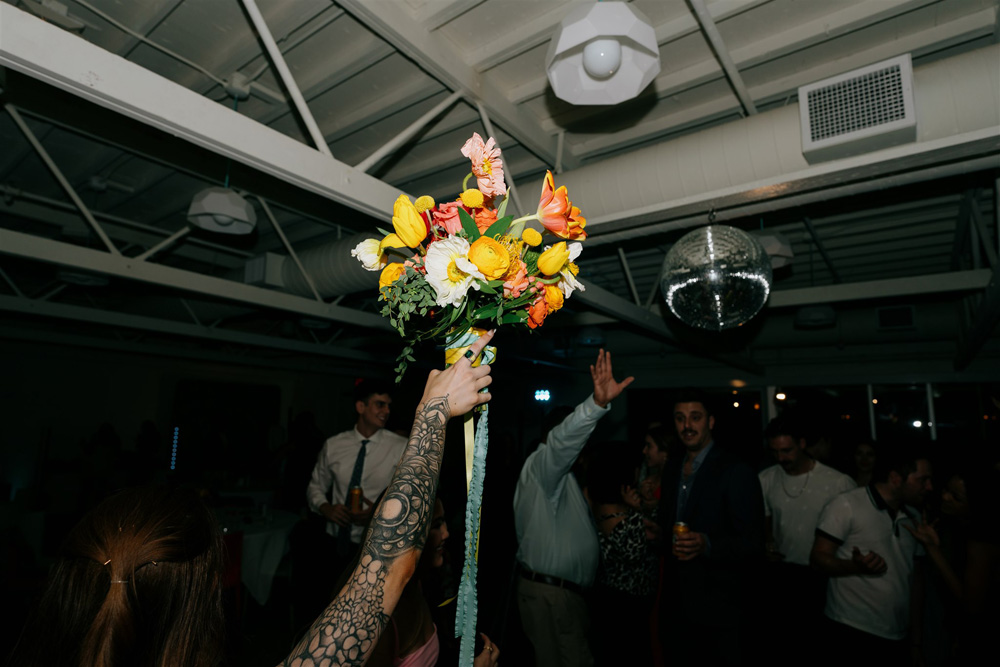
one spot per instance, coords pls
(344, 533)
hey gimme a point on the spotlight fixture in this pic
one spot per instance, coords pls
(222, 211)
(603, 53)
(542, 395)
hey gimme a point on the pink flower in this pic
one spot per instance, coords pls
(516, 280)
(486, 165)
(446, 215)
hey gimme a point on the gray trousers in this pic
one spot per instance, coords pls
(556, 622)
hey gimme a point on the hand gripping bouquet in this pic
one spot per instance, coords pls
(450, 270)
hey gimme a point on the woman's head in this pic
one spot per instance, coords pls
(138, 582)
(433, 555)
(864, 457)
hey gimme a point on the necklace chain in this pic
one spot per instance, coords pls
(801, 491)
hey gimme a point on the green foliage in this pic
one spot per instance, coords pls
(468, 225)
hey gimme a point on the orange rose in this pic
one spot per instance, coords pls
(484, 218)
(537, 312)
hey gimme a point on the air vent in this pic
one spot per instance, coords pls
(858, 112)
(893, 318)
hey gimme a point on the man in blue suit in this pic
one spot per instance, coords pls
(709, 569)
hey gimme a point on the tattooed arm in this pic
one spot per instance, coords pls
(347, 632)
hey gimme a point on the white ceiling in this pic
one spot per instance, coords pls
(888, 222)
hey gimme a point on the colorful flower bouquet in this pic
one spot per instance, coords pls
(467, 263)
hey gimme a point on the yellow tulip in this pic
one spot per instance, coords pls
(553, 297)
(531, 237)
(390, 274)
(410, 227)
(490, 257)
(390, 241)
(554, 259)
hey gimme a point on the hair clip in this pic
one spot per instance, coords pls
(107, 561)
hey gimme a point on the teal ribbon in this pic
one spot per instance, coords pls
(465, 615)
(467, 606)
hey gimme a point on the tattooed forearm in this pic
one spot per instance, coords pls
(350, 627)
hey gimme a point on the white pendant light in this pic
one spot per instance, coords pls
(222, 211)
(604, 53)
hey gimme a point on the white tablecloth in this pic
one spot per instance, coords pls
(265, 542)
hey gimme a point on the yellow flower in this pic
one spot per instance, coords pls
(390, 274)
(424, 203)
(390, 241)
(472, 198)
(531, 237)
(554, 259)
(490, 257)
(553, 297)
(410, 227)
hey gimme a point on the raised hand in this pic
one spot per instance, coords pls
(606, 388)
(925, 532)
(461, 382)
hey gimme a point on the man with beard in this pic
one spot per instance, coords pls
(719, 499)
(863, 545)
(795, 491)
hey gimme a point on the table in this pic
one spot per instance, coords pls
(265, 542)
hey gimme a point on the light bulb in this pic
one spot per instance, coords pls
(223, 219)
(602, 58)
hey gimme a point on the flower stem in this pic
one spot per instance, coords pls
(517, 226)
(466, 181)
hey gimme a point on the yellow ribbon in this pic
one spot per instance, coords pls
(452, 355)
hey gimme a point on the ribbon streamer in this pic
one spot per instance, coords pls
(476, 442)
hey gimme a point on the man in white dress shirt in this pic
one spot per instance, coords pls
(341, 458)
(795, 491)
(558, 548)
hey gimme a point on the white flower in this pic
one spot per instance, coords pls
(449, 270)
(369, 254)
(569, 283)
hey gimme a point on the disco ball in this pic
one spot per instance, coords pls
(716, 277)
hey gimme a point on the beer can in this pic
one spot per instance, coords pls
(354, 498)
(680, 528)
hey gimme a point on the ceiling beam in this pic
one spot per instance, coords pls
(66, 61)
(237, 356)
(984, 324)
(33, 247)
(172, 327)
(22, 204)
(957, 281)
(711, 32)
(652, 321)
(446, 64)
(932, 160)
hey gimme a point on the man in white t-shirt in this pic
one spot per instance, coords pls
(796, 490)
(875, 594)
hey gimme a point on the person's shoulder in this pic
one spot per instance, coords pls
(768, 474)
(831, 473)
(392, 437)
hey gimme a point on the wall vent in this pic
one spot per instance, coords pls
(858, 112)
